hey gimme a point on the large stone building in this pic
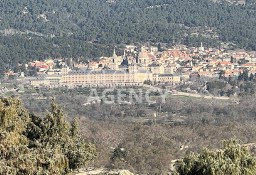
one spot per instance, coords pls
(48, 80)
(104, 78)
(111, 72)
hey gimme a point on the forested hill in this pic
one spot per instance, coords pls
(129, 21)
(117, 21)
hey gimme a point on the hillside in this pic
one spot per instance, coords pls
(128, 20)
(123, 21)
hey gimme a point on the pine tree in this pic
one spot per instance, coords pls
(233, 159)
(32, 145)
(251, 77)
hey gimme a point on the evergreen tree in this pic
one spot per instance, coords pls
(251, 77)
(240, 77)
(233, 159)
(32, 145)
(246, 75)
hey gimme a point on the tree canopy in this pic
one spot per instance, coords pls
(33, 145)
(129, 21)
(233, 159)
(62, 28)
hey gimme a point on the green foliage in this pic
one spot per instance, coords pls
(33, 145)
(148, 82)
(78, 24)
(233, 159)
(16, 50)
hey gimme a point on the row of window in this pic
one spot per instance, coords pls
(95, 81)
(99, 76)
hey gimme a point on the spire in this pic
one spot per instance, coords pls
(201, 48)
(114, 53)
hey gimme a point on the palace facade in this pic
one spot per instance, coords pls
(111, 72)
